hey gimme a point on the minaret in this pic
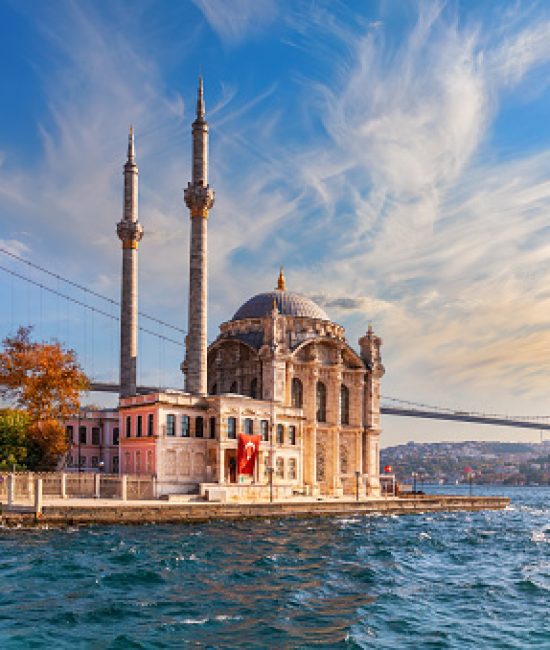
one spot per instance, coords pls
(130, 232)
(199, 198)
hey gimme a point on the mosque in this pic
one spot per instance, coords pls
(278, 405)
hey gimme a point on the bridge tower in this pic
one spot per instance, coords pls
(130, 232)
(199, 198)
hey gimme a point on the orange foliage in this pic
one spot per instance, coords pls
(47, 442)
(43, 379)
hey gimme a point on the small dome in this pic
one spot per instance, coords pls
(288, 304)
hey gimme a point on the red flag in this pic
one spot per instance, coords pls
(247, 453)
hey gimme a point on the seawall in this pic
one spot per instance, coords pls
(155, 512)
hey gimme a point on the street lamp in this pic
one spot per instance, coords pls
(470, 474)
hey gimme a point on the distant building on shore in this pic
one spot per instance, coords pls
(280, 380)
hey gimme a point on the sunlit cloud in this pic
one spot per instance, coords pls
(379, 191)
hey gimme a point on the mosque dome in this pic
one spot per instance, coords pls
(288, 303)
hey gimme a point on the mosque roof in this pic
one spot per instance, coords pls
(288, 304)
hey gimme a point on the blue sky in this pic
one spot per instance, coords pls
(393, 156)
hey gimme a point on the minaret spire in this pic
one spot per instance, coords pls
(199, 198)
(131, 152)
(200, 100)
(130, 232)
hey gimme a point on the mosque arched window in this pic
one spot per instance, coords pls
(321, 402)
(344, 404)
(254, 388)
(297, 393)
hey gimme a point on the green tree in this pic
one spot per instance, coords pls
(14, 426)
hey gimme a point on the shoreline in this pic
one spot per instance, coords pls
(105, 512)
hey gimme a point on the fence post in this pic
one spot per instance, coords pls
(124, 487)
(38, 497)
(11, 488)
(63, 485)
(97, 485)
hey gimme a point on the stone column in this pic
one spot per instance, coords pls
(130, 233)
(11, 489)
(221, 466)
(124, 487)
(38, 496)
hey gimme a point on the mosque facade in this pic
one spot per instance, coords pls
(280, 382)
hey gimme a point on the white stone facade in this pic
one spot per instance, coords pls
(281, 368)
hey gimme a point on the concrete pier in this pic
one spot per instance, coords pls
(103, 511)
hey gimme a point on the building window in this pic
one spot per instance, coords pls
(83, 461)
(321, 402)
(150, 424)
(139, 426)
(95, 461)
(280, 434)
(69, 461)
(280, 467)
(116, 436)
(150, 465)
(199, 427)
(232, 428)
(233, 388)
(128, 426)
(344, 404)
(69, 433)
(115, 464)
(292, 435)
(249, 426)
(82, 435)
(213, 428)
(292, 469)
(95, 436)
(170, 425)
(138, 462)
(254, 388)
(214, 389)
(126, 467)
(264, 429)
(297, 393)
(185, 426)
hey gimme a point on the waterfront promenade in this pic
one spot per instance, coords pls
(78, 511)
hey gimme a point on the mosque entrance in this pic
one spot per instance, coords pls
(231, 465)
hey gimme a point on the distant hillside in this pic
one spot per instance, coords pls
(492, 462)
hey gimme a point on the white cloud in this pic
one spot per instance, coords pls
(236, 20)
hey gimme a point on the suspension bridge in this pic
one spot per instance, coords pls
(78, 306)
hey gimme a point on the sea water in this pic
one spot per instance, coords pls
(456, 580)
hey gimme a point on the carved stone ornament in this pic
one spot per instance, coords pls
(198, 198)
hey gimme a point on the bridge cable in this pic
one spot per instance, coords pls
(86, 306)
(83, 288)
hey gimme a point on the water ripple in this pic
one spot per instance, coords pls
(456, 580)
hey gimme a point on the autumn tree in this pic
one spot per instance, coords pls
(45, 381)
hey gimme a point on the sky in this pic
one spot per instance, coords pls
(394, 157)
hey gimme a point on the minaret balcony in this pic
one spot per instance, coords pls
(129, 231)
(199, 198)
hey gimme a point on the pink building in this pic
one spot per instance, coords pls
(94, 438)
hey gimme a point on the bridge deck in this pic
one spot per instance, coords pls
(499, 421)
